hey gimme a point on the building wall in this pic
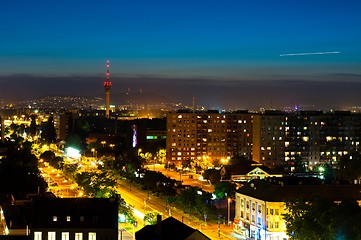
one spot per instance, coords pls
(209, 136)
(2, 129)
(259, 219)
(181, 138)
(86, 234)
(270, 138)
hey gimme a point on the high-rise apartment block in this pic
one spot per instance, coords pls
(212, 135)
(269, 137)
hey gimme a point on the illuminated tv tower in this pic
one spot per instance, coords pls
(107, 86)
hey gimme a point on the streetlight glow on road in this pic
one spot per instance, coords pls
(138, 213)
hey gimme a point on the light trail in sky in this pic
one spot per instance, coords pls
(305, 54)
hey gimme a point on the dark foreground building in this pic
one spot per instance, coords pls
(169, 229)
(74, 219)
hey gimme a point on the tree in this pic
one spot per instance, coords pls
(298, 164)
(33, 126)
(348, 220)
(323, 219)
(349, 167)
(237, 159)
(224, 189)
(47, 156)
(19, 173)
(74, 141)
(150, 217)
(310, 219)
(48, 134)
(213, 175)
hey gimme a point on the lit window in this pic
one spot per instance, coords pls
(68, 218)
(78, 236)
(92, 236)
(276, 225)
(55, 218)
(38, 235)
(65, 236)
(51, 235)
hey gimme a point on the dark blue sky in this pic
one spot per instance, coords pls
(189, 47)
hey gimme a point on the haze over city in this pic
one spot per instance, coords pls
(226, 54)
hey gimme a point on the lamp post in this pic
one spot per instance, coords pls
(229, 210)
(103, 143)
(219, 227)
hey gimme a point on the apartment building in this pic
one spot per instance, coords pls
(208, 135)
(270, 138)
(260, 205)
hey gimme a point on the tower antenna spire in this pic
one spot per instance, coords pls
(107, 86)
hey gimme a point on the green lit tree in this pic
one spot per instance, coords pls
(224, 189)
(150, 217)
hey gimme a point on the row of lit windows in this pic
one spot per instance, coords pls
(273, 211)
(272, 225)
(64, 236)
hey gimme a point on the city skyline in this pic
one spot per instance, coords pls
(226, 54)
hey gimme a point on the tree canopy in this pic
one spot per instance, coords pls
(323, 219)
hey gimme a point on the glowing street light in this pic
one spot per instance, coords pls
(94, 152)
(103, 143)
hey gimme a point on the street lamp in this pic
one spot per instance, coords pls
(94, 152)
(229, 210)
(103, 143)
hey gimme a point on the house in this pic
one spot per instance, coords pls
(169, 229)
(74, 218)
(247, 170)
(260, 204)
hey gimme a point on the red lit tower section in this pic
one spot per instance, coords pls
(107, 86)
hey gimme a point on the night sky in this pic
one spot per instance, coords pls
(227, 54)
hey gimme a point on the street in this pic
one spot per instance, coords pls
(191, 179)
(142, 201)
